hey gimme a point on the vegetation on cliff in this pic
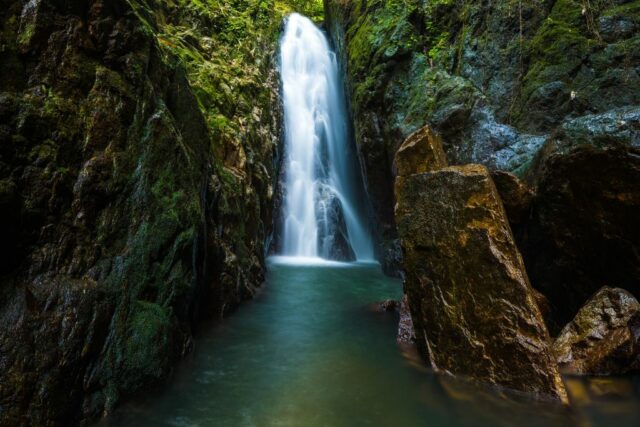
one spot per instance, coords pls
(545, 89)
(137, 161)
(139, 155)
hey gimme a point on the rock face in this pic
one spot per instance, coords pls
(135, 192)
(473, 309)
(604, 337)
(553, 100)
(494, 79)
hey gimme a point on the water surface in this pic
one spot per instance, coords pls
(308, 351)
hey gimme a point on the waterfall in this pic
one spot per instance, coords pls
(323, 197)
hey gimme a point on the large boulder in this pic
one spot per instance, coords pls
(474, 312)
(604, 337)
(333, 236)
(583, 229)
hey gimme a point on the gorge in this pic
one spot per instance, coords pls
(305, 212)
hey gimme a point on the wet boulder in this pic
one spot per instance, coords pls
(421, 152)
(583, 229)
(333, 236)
(474, 311)
(604, 337)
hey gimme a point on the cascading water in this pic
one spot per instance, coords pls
(323, 189)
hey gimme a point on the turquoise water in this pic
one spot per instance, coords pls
(309, 351)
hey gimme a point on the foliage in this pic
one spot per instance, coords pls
(225, 46)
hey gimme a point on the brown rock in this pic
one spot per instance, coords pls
(421, 152)
(474, 312)
(543, 304)
(604, 337)
(516, 196)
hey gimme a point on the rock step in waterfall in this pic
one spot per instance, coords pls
(323, 210)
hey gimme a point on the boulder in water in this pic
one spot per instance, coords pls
(473, 309)
(386, 306)
(604, 337)
(333, 237)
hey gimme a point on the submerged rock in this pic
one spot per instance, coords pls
(474, 312)
(604, 337)
(386, 306)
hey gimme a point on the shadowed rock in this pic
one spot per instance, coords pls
(126, 218)
(583, 228)
(516, 196)
(604, 337)
(474, 312)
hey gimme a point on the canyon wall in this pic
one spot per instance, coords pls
(138, 156)
(546, 89)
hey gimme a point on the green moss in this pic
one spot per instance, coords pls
(557, 52)
(225, 47)
(568, 48)
(437, 35)
(630, 9)
(148, 332)
(27, 33)
(377, 41)
(46, 151)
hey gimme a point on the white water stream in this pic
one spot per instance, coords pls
(321, 209)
